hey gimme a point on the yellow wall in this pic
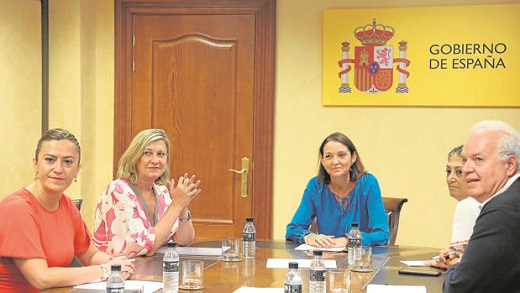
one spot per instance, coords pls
(20, 91)
(405, 147)
(81, 90)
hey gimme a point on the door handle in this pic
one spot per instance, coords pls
(244, 172)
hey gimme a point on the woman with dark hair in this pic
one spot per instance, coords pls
(42, 230)
(342, 193)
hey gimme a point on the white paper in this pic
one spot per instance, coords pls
(307, 247)
(283, 263)
(149, 286)
(244, 289)
(415, 263)
(373, 288)
(201, 251)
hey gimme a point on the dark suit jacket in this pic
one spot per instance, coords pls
(491, 262)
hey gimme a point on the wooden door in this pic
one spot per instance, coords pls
(195, 73)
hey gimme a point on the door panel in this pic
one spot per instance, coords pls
(205, 76)
(197, 79)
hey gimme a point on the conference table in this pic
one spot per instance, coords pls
(224, 277)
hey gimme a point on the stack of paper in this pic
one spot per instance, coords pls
(149, 286)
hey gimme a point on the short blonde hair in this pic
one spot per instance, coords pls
(127, 167)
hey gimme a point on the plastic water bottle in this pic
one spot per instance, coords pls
(354, 245)
(171, 270)
(115, 283)
(318, 274)
(293, 280)
(249, 237)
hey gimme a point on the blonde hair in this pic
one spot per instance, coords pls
(127, 167)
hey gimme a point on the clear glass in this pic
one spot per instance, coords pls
(338, 281)
(192, 274)
(231, 249)
(365, 262)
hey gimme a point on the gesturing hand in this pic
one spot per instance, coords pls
(185, 190)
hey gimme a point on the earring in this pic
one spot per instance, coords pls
(75, 179)
(36, 176)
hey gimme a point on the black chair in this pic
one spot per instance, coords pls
(78, 202)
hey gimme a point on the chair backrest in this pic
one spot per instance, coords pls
(78, 202)
(393, 207)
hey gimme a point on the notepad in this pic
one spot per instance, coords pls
(307, 247)
(149, 286)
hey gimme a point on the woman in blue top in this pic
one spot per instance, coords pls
(342, 193)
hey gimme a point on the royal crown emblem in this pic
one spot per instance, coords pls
(374, 34)
(373, 71)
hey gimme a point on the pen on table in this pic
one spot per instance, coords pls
(447, 255)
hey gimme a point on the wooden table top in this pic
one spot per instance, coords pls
(224, 277)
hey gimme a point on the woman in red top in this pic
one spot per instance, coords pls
(42, 231)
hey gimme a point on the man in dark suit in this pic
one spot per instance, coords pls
(491, 261)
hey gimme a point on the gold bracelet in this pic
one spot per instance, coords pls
(186, 219)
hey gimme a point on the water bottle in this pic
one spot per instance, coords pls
(354, 245)
(115, 283)
(171, 270)
(293, 280)
(318, 274)
(249, 238)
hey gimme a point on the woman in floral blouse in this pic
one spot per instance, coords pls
(142, 209)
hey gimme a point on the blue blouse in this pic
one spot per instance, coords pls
(364, 205)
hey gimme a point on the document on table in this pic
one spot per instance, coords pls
(283, 263)
(373, 288)
(307, 247)
(199, 251)
(415, 263)
(149, 286)
(244, 289)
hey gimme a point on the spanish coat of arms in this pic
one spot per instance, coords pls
(373, 61)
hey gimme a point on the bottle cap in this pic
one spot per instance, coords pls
(172, 244)
(249, 219)
(293, 265)
(115, 267)
(354, 224)
(317, 252)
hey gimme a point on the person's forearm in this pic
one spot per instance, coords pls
(46, 278)
(164, 226)
(185, 233)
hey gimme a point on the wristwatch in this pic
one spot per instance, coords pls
(186, 219)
